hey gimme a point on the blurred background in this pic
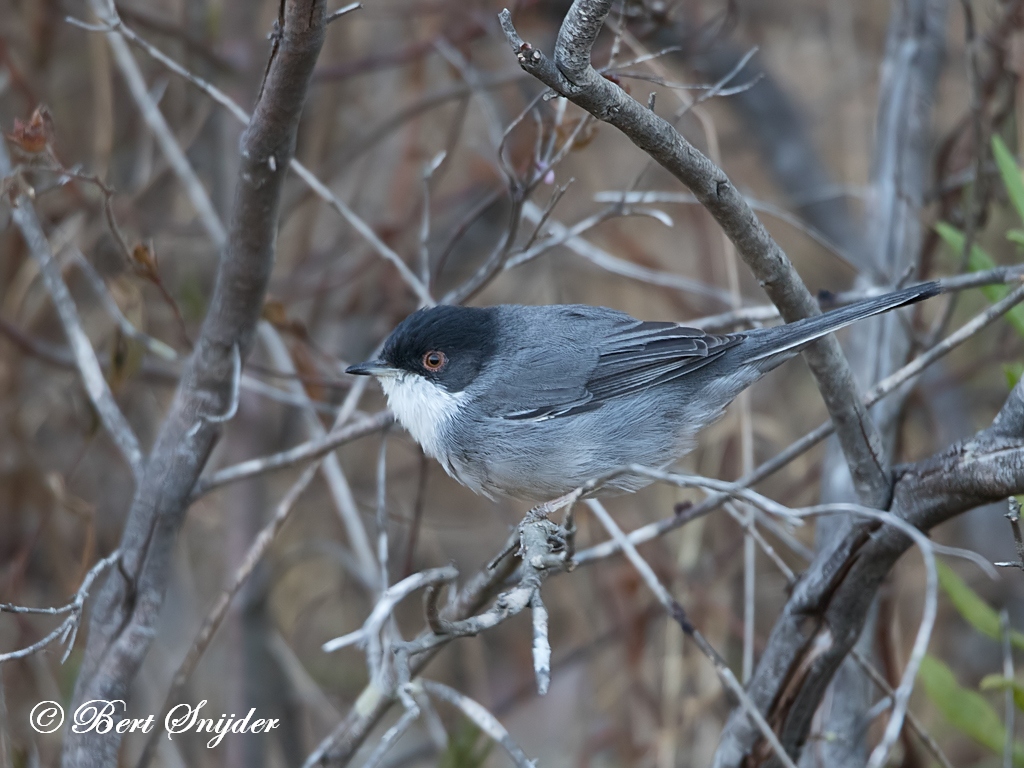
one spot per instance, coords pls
(398, 83)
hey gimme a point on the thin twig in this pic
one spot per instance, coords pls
(428, 173)
(382, 514)
(750, 528)
(541, 644)
(311, 449)
(373, 702)
(330, 468)
(901, 697)
(975, 194)
(1013, 515)
(116, 27)
(152, 345)
(912, 722)
(215, 617)
(346, 9)
(67, 630)
(391, 737)
(761, 206)
(158, 125)
(541, 547)
(429, 579)
(483, 719)
(127, 609)
(1009, 706)
(677, 612)
(96, 386)
(563, 236)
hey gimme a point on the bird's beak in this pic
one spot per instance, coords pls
(371, 368)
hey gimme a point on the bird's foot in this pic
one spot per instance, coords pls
(561, 539)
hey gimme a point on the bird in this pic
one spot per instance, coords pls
(534, 402)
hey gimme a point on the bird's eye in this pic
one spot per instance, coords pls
(434, 360)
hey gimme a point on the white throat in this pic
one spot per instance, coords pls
(423, 408)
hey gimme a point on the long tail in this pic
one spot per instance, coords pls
(772, 344)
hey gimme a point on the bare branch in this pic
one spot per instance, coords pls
(914, 724)
(343, 11)
(383, 578)
(1009, 708)
(96, 386)
(67, 630)
(541, 644)
(337, 483)
(391, 735)
(116, 27)
(582, 247)
(542, 548)
(312, 449)
(338, 747)
(389, 598)
(153, 346)
(825, 638)
(833, 596)
(483, 719)
(677, 612)
(216, 616)
(128, 606)
(1013, 516)
(760, 206)
(104, 9)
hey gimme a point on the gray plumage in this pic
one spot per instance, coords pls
(532, 402)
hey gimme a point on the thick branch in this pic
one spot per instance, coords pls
(824, 616)
(572, 76)
(123, 621)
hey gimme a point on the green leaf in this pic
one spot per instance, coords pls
(980, 260)
(977, 612)
(1011, 174)
(964, 709)
(1016, 236)
(1014, 372)
(1000, 683)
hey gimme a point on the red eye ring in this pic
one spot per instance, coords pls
(434, 360)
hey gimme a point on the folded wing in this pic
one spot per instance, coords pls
(627, 357)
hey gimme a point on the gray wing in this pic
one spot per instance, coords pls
(623, 357)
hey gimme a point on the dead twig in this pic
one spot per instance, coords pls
(483, 719)
(85, 356)
(1013, 516)
(678, 613)
(67, 631)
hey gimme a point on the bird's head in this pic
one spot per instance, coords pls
(427, 363)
